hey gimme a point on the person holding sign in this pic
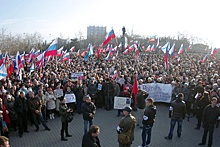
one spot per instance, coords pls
(124, 93)
(88, 110)
(70, 98)
(64, 110)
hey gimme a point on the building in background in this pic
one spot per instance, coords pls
(96, 34)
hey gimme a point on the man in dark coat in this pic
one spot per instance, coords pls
(148, 121)
(90, 139)
(88, 110)
(21, 109)
(210, 114)
(108, 91)
(177, 113)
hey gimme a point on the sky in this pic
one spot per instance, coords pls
(66, 18)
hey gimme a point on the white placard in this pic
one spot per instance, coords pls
(121, 102)
(58, 92)
(77, 76)
(99, 86)
(70, 98)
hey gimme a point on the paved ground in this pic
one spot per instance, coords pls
(108, 122)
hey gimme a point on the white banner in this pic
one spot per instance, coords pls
(159, 92)
(77, 76)
(121, 102)
(70, 98)
(58, 92)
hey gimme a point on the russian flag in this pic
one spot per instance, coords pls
(72, 49)
(152, 48)
(181, 50)
(110, 54)
(22, 58)
(158, 42)
(40, 60)
(166, 47)
(19, 64)
(205, 58)
(52, 49)
(172, 51)
(1, 58)
(130, 48)
(109, 37)
(37, 53)
(190, 47)
(125, 52)
(59, 51)
(148, 48)
(66, 57)
(213, 52)
(31, 53)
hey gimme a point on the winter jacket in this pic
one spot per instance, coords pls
(88, 108)
(149, 115)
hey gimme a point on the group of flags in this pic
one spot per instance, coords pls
(8, 65)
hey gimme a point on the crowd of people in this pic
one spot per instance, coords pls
(32, 98)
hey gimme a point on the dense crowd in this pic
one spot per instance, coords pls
(21, 98)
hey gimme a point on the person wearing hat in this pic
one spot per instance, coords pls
(148, 120)
(88, 110)
(12, 113)
(126, 127)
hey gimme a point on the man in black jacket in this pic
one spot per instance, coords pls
(177, 113)
(148, 121)
(21, 109)
(210, 114)
(141, 96)
(90, 139)
(88, 110)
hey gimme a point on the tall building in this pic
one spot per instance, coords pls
(96, 32)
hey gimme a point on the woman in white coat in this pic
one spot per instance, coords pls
(51, 102)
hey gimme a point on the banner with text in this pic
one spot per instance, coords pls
(121, 102)
(159, 92)
(70, 98)
(76, 76)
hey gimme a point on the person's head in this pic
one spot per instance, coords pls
(22, 94)
(4, 142)
(181, 96)
(8, 97)
(127, 110)
(149, 101)
(68, 89)
(40, 92)
(94, 130)
(213, 101)
(87, 99)
(31, 94)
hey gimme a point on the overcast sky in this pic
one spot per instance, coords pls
(53, 18)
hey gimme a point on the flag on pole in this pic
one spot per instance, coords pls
(152, 48)
(72, 49)
(135, 90)
(190, 47)
(31, 68)
(109, 37)
(213, 52)
(52, 49)
(205, 58)
(181, 50)
(19, 64)
(172, 51)
(166, 47)
(1, 58)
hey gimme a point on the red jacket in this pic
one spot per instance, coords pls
(5, 115)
